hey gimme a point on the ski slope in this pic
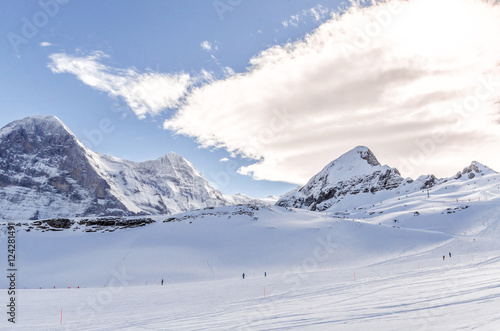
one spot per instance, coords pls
(455, 294)
(354, 270)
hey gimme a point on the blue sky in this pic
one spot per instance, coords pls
(260, 95)
(162, 36)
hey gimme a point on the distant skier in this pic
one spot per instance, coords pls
(450, 254)
(265, 274)
(443, 257)
(162, 282)
(243, 275)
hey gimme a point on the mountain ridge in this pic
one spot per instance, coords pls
(359, 172)
(46, 172)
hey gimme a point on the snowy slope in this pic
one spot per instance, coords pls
(242, 199)
(324, 271)
(45, 172)
(371, 259)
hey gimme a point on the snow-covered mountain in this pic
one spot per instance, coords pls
(314, 261)
(357, 171)
(242, 199)
(357, 178)
(46, 172)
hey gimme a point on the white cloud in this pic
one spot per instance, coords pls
(317, 13)
(145, 93)
(390, 76)
(224, 159)
(206, 45)
(45, 44)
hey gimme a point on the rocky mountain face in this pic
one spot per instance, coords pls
(167, 185)
(45, 172)
(358, 172)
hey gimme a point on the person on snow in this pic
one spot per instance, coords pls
(243, 275)
(443, 257)
(162, 282)
(265, 274)
(450, 254)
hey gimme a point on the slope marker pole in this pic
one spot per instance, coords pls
(61, 316)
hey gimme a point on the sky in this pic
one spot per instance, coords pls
(261, 95)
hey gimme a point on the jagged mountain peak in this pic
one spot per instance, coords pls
(41, 127)
(31, 123)
(173, 159)
(359, 161)
(478, 167)
(357, 171)
(474, 169)
(362, 152)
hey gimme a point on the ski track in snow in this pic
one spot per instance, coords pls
(447, 295)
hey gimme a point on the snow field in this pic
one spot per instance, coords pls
(451, 294)
(323, 272)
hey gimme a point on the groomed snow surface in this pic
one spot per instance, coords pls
(379, 267)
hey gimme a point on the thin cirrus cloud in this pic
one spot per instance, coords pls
(145, 93)
(318, 13)
(416, 81)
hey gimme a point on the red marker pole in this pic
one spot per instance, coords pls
(264, 291)
(61, 316)
(354, 275)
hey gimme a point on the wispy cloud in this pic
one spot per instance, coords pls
(206, 45)
(317, 13)
(389, 76)
(146, 93)
(224, 159)
(45, 44)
